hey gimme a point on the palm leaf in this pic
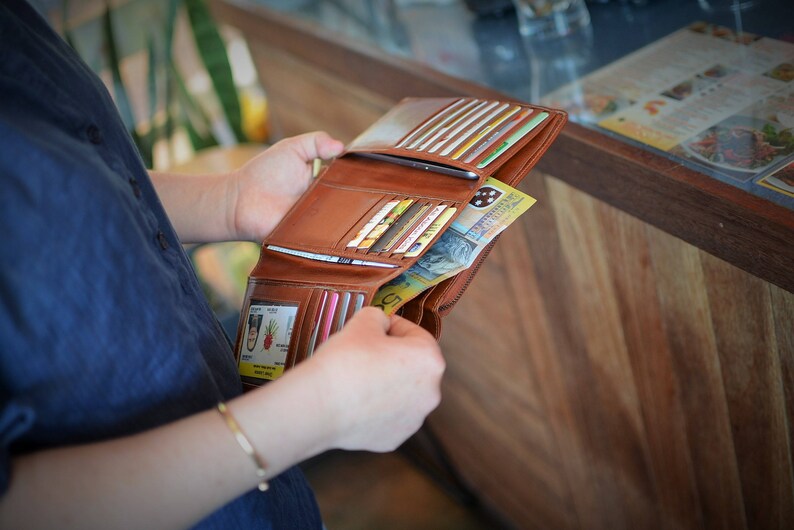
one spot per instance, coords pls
(195, 120)
(170, 89)
(67, 34)
(148, 141)
(212, 51)
(119, 90)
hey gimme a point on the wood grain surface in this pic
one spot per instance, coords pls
(666, 380)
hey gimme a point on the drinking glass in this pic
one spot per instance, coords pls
(545, 19)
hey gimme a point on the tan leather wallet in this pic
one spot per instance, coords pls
(323, 262)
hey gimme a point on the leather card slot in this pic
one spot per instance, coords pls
(427, 231)
(367, 222)
(303, 271)
(331, 308)
(403, 118)
(480, 149)
(401, 227)
(270, 329)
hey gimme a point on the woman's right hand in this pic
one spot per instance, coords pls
(380, 377)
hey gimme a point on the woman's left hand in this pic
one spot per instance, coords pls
(264, 189)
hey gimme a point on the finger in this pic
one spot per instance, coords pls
(369, 319)
(400, 327)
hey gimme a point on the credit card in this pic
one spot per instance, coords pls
(444, 131)
(473, 130)
(513, 139)
(497, 135)
(359, 303)
(435, 228)
(367, 228)
(330, 312)
(399, 227)
(430, 123)
(316, 322)
(385, 223)
(490, 128)
(420, 229)
(462, 126)
(343, 307)
(452, 118)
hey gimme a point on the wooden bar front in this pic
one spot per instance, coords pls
(625, 357)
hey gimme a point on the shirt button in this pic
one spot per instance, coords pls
(135, 188)
(94, 134)
(162, 240)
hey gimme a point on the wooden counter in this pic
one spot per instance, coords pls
(625, 358)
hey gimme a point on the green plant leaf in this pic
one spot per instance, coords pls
(119, 90)
(213, 54)
(195, 120)
(67, 34)
(168, 126)
(150, 138)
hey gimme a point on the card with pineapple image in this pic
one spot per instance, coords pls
(267, 334)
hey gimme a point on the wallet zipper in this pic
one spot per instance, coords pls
(472, 273)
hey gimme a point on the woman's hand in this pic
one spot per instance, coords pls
(380, 377)
(264, 189)
(248, 203)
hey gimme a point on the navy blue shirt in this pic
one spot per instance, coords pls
(104, 330)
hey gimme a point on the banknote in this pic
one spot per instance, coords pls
(446, 258)
(493, 208)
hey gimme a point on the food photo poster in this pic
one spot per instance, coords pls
(720, 102)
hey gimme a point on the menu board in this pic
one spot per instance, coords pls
(719, 101)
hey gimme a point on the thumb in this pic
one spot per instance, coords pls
(313, 145)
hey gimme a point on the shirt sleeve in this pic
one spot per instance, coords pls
(15, 420)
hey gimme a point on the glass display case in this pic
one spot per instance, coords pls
(707, 83)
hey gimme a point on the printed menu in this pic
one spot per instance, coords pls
(720, 101)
